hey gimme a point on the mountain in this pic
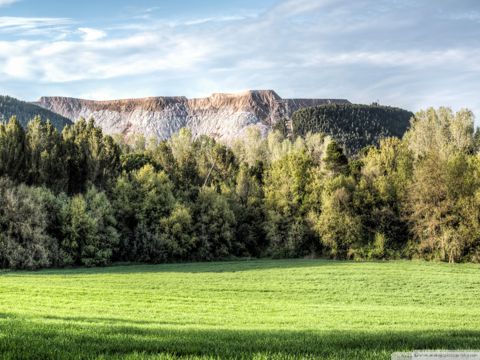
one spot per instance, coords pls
(226, 116)
(354, 126)
(223, 116)
(25, 112)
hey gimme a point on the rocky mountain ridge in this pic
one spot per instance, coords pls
(223, 116)
(24, 112)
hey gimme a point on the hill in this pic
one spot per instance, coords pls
(25, 112)
(226, 116)
(354, 126)
(269, 309)
(222, 116)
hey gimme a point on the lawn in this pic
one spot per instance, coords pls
(266, 309)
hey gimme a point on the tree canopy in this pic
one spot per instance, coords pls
(353, 126)
(80, 198)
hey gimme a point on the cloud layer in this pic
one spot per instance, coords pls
(7, 2)
(410, 54)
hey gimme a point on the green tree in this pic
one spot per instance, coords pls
(188, 179)
(12, 150)
(45, 160)
(91, 158)
(335, 160)
(338, 227)
(445, 179)
(216, 163)
(441, 131)
(380, 195)
(24, 241)
(251, 147)
(141, 200)
(354, 126)
(176, 234)
(78, 231)
(438, 193)
(90, 236)
(248, 206)
(162, 155)
(286, 193)
(214, 226)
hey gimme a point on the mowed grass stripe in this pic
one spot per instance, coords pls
(245, 309)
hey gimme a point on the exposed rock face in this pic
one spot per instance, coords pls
(224, 116)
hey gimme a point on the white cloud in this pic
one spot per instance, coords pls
(469, 58)
(30, 22)
(90, 34)
(19, 67)
(94, 57)
(294, 7)
(7, 2)
(206, 20)
(32, 26)
(363, 50)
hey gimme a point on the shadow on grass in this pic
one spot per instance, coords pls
(100, 320)
(193, 267)
(85, 339)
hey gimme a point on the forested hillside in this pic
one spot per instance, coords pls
(354, 126)
(25, 111)
(77, 197)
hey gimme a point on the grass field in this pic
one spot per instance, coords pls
(252, 309)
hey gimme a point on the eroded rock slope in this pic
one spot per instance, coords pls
(223, 116)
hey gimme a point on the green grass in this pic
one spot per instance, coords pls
(285, 309)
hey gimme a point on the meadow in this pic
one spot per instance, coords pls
(262, 309)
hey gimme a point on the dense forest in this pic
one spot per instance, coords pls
(78, 197)
(353, 126)
(24, 112)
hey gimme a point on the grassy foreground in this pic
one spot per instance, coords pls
(254, 310)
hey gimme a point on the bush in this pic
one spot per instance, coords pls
(24, 240)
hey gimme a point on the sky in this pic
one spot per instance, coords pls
(410, 53)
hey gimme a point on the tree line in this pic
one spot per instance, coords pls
(81, 198)
(25, 111)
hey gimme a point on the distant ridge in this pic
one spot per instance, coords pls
(25, 112)
(220, 115)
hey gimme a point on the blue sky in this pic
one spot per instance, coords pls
(406, 53)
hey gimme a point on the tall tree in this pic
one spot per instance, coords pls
(12, 150)
(214, 226)
(339, 228)
(45, 161)
(444, 178)
(285, 197)
(142, 199)
(89, 230)
(24, 241)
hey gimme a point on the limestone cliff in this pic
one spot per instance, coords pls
(224, 116)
